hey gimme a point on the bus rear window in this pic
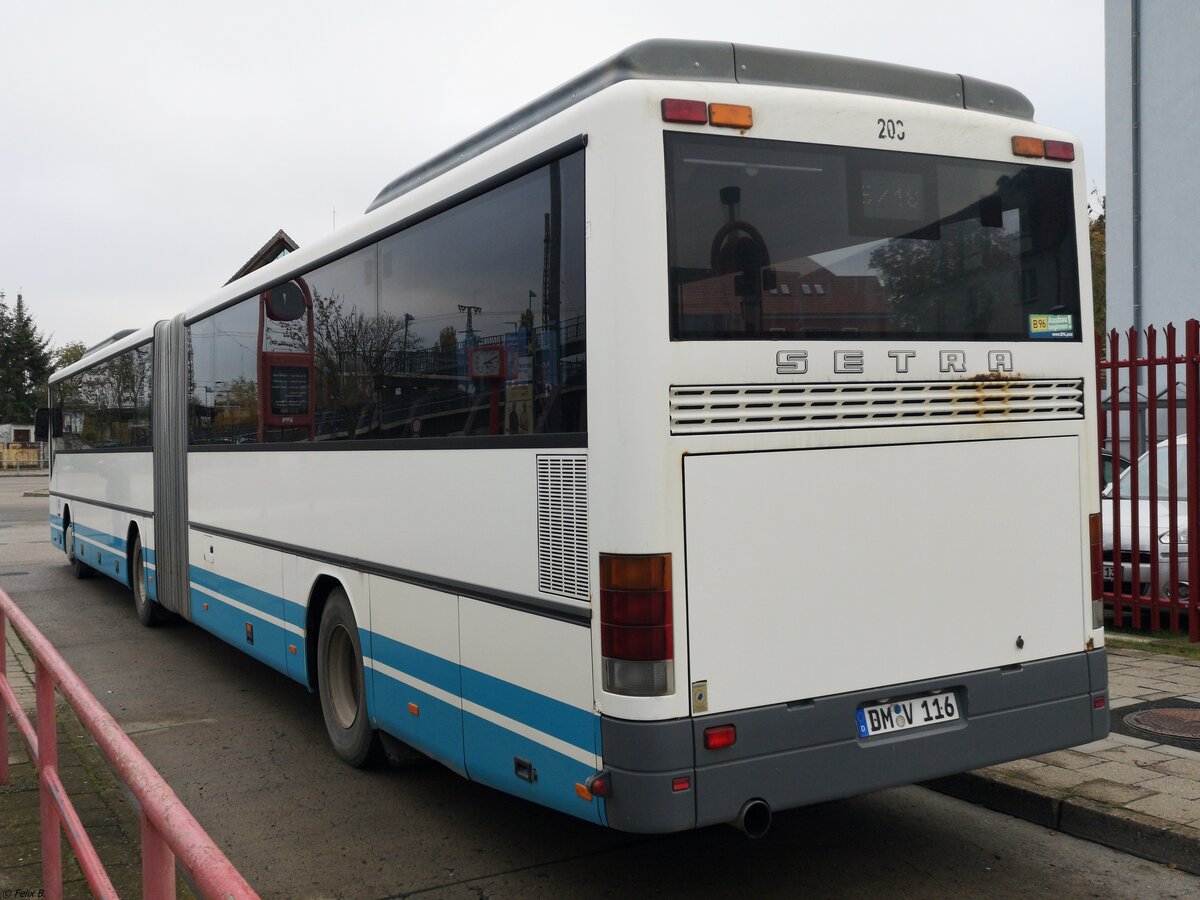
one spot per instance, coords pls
(776, 240)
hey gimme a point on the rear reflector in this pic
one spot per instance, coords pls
(1060, 150)
(719, 737)
(729, 115)
(1097, 556)
(690, 112)
(599, 785)
(636, 639)
(680, 784)
(1098, 703)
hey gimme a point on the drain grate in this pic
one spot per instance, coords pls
(1173, 721)
(1169, 722)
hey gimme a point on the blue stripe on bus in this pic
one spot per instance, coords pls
(561, 720)
(228, 622)
(259, 600)
(427, 667)
(100, 537)
(107, 559)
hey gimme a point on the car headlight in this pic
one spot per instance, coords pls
(1165, 537)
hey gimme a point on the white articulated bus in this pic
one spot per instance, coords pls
(710, 437)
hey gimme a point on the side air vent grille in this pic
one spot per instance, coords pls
(562, 517)
(721, 409)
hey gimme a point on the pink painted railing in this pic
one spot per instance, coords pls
(169, 831)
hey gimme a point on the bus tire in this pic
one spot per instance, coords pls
(341, 684)
(148, 612)
(81, 569)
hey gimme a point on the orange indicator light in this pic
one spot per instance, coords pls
(414, 709)
(730, 115)
(1034, 148)
(582, 792)
(292, 649)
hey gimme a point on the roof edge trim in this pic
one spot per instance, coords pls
(679, 60)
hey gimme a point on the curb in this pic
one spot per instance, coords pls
(1120, 829)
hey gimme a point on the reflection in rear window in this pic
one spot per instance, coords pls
(776, 240)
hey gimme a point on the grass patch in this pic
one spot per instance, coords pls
(1151, 642)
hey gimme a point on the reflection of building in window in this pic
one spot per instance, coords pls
(807, 298)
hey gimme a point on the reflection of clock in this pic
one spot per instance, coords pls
(486, 363)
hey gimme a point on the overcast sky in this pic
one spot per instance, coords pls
(147, 149)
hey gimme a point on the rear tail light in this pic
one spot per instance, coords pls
(636, 640)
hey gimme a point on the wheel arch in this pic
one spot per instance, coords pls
(131, 532)
(318, 595)
(68, 520)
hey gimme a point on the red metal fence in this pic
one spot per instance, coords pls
(169, 831)
(1149, 422)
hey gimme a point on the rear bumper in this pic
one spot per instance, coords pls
(800, 753)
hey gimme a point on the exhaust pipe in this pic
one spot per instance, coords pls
(754, 819)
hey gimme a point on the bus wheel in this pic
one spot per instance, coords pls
(341, 683)
(147, 610)
(82, 569)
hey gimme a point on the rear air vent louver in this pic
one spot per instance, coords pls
(562, 526)
(721, 409)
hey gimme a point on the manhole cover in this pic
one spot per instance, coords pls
(1175, 722)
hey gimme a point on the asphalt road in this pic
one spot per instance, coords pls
(245, 749)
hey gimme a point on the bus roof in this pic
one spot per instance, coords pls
(718, 61)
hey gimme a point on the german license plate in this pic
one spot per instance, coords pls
(900, 715)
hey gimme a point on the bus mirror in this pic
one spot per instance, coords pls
(285, 302)
(47, 423)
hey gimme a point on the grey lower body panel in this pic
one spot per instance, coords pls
(799, 753)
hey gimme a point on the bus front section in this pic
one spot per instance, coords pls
(876, 371)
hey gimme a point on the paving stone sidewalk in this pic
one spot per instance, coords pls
(1136, 794)
(109, 814)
